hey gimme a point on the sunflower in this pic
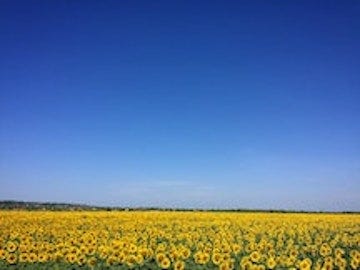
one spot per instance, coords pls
(354, 264)
(179, 265)
(139, 259)
(23, 247)
(355, 255)
(131, 260)
(42, 257)
(91, 261)
(305, 264)
(133, 248)
(216, 258)
(199, 258)
(271, 263)
(2, 254)
(325, 250)
(205, 257)
(174, 255)
(83, 249)
(341, 263)
(111, 260)
(328, 266)
(225, 265)
(11, 258)
(165, 263)
(260, 267)
(11, 246)
(71, 258)
(160, 257)
(339, 252)
(81, 260)
(143, 252)
(90, 250)
(121, 257)
(186, 253)
(32, 257)
(255, 256)
(23, 257)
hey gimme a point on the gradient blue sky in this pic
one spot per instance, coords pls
(250, 104)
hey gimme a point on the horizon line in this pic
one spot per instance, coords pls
(163, 208)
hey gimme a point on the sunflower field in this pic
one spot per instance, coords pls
(178, 240)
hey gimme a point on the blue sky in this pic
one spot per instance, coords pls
(213, 104)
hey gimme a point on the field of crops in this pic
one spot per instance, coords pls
(178, 240)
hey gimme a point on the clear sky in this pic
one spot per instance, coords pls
(250, 104)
